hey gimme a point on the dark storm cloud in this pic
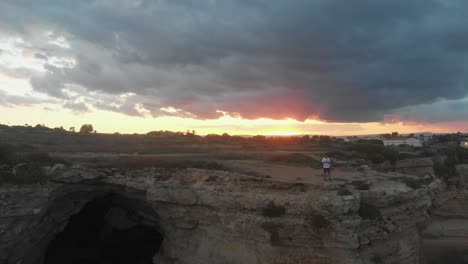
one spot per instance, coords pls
(23, 100)
(340, 60)
(78, 107)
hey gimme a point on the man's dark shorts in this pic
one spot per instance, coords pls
(326, 170)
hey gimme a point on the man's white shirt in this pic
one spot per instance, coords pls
(326, 163)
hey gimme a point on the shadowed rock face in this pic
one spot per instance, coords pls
(104, 231)
(198, 216)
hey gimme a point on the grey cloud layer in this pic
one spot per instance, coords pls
(340, 60)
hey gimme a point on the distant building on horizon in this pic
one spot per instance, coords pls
(396, 141)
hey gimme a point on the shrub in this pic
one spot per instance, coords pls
(273, 210)
(7, 154)
(462, 155)
(318, 222)
(390, 154)
(27, 173)
(375, 152)
(368, 211)
(445, 167)
(344, 192)
(377, 259)
(272, 229)
(361, 185)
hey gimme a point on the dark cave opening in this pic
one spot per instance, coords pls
(107, 230)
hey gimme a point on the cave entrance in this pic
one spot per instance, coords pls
(110, 229)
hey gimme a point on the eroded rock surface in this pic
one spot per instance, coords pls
(223, 217)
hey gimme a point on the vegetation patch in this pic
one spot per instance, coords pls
(376, 259)
(414, 183)
(361, 185)
(344, 192)
(273, 230)
(211, 178)
(27, 173)
(273, 210)
(318, 222)
(367, 211)
(296, 159)
(15, 154)
(374, 151)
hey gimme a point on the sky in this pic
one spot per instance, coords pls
(238, 66)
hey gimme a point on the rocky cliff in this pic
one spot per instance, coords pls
(204, 216)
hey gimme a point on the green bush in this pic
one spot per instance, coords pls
(390, 154)
(318, 222)
(462, 155)
(344, 192)
(361, 185)
(273, 210)
(367, 211)
(375, 152)
(272, 229)
(27, 173)
(445, 163)
(7, 154)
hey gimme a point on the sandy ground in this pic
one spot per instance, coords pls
(289, 173)
(277, 172)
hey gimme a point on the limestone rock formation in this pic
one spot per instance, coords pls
(223, 217)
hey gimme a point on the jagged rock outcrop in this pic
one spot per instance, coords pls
(223, 217)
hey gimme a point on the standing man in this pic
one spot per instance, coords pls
(326, 161)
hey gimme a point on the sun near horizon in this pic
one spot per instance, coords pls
(111, 122)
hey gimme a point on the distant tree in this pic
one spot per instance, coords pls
(394, 134)
(86, 128)
(72, 129)
(191, 134)
(386, 136)
(325, 140)
(155, 133)
(305, 139)
(260, 138)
